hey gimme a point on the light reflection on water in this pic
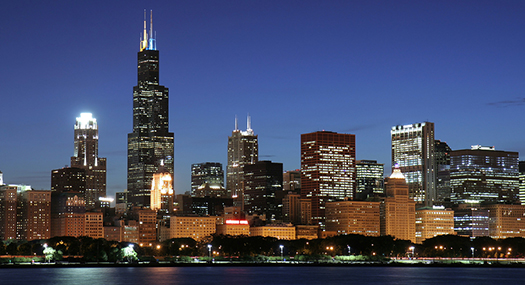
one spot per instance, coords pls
(260, 275)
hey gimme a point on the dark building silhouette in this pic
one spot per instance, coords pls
(69, 179)
(263, 189)
(442, 154)
(201, 206)
(150, 144)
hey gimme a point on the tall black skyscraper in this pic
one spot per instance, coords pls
(150, 144)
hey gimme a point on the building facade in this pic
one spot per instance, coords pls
(506, 221)
(471, 221)
(243, 149)
(297, 210)
(398, 217)
(433, 221)
(442, 153)
(369, 179)
(353, 217)
(196, 228)
(150, 145)
(263, 187)
(522, 182)
(413, 151)
(206, 172)
(327, 170)
(484, 175)
(86, 157)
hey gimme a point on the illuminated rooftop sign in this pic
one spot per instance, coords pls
(236, 222)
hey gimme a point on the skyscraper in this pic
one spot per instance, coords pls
(150, 144)
(263, 189)
(413, 150)
(522, 182)
(369, 179)
(86, 157)
(398, 210)
(206, 172)
(327, 169)
(442, 152)
(243, 148)
(484, 174)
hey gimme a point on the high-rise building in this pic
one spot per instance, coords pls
(442, 154)
(162, 192)
(369, 179)
(522, 182)
(398, 217)
(263, 186)
(297, 210)
(86, 157)
(67, 214)
(206, 172)
(35, 214)
(413, 150)
(8, 212)
(243, 148)
(327, 169)
(150, 144)
(484, 174)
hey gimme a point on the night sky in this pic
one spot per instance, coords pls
(296, 67)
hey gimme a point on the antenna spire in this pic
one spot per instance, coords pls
(144, 42)
(249, 123)
(236, 124)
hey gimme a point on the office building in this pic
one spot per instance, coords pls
(34, 221)
(278, 231)
(292, 180)
(196, 228)
(433, 221)
(522, 182)
(68, 179)
(8, 212)
(297, 210)
(201, 206)
(369, 179)
(263, 188)
(162, 192)
(413, 151)
(327, 170)
(484, 175)
(398, 217)
(150, 145)
(207, 172)
(353, 217)
(506, 221)
(442, 153)
(471, 221)
(243, 149)
(234, 228)
(67, 214)
(86, 157)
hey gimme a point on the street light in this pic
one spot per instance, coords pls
(282, 246)
(472, 249)
(209, 251)
(412, 248)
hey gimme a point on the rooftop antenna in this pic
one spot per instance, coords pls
(249, 123)
(236, 124)
(144, 42)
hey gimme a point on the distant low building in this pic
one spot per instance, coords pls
(506, 221)
(196, 228)
(234, 228)
(353, 217)
(279, 231)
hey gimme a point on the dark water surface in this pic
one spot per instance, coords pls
(263, 275)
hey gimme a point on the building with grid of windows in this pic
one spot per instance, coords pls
(327, 170)
(413, 151)
(484, 175)
(353, 217)
(209, 173)
(433, 221)
(369, 179)
(150, 145)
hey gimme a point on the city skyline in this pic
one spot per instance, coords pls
(295, 67)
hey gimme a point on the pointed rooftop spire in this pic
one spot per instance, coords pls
(144, 41)
(397, 173)
(236, 124)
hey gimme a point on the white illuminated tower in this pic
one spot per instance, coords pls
(413, 150)
(150, 144)
(243, 148)
(86, 157)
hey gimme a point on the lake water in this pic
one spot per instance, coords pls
(263, 275)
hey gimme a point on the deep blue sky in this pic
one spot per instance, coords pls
(355, 67)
